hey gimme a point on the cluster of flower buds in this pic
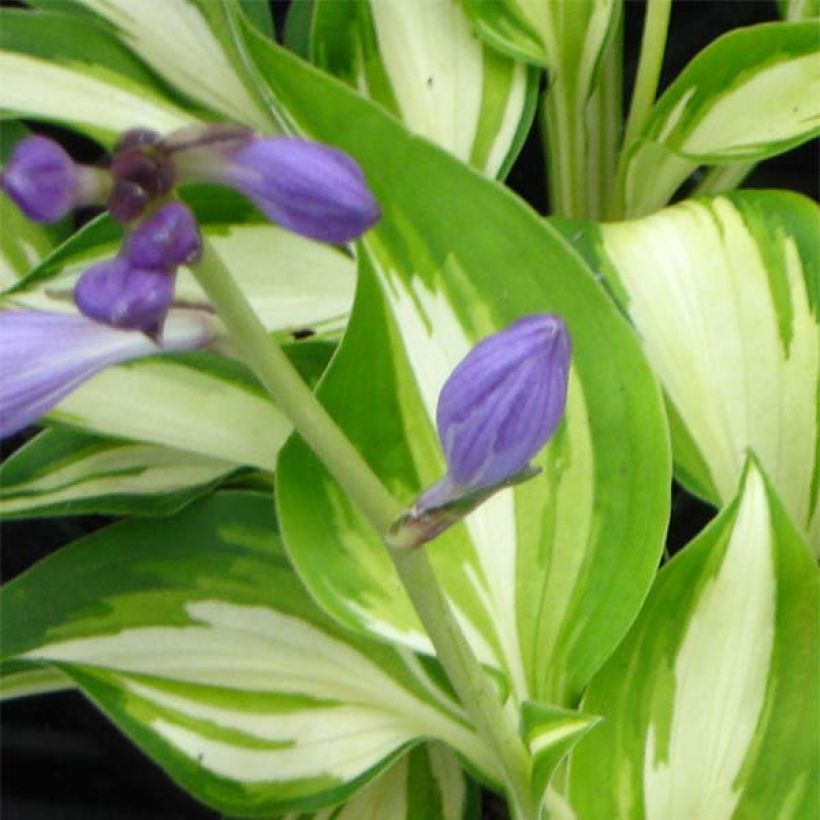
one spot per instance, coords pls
(498, 408)
(311, 189)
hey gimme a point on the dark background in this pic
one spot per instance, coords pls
(61, 759)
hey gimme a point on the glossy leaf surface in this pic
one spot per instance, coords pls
(751, 94)
(709, 705)
(454, 258)
(724, 296)
(422, 62)
(194, 636)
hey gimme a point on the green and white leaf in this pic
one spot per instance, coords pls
(709, 705)
(751, 94)
(724, 297)
(68, 472)
(426, 783)
(182, 42)
(22, 244)
(21, 679)
(422, 62)
(195, 637)
(67, 69)
(291, 282)
(551, 733)
(192, 403)
(565, 38)
(100, 103)
(798, 9)
(454, 258)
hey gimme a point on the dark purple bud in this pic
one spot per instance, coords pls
(45, 356)
(500, 406)
(136, 139)
(115, 293)
(141, 174)
(41, 178)
(167, 239)
(311, 189)
(127, 201)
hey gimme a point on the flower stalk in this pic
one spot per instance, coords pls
(496, 727)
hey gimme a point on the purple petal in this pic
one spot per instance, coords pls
(41, 178)
(117, 294)
(167, 239)
(311, 189)
(45, 356)
(503, 401)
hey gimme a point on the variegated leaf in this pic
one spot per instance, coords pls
(544, 578)
(195, 637)
(67, 472)
(751, 94)
(422, 62)
(425, 784)
(292, 283)
(568, 40)
(550, 733)
(710, 705)
(724, 296)
(20, 679)
(66, 69)
(185, 43)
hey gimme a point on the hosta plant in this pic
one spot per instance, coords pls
(389, 451)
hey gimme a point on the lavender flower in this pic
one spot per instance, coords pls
(165, 240)
(136, 289)
(45, 183)
(500, 406)
(115, 293)
(45, 356)
(312, 189)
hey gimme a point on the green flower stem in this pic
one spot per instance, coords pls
(481, 700)
(293, 397)
(350, 470)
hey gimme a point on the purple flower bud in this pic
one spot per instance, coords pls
(500, 406)
(45, 356)
(118, 294)
(311, 189)
(167, 239)
(41, 178)
(141, 172)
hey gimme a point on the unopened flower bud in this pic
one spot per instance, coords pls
(500, 406)
(45, 183)
(117, 294)
(142, 173)
(311, 189)
(166, 239)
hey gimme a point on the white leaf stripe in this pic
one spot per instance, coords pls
(221, 668)
(750, 94)
(704, 704)
(444, 84)
(291, 282)
(719, 692)
(258, 650)
(99, 470)
(740, 372)
(176, 39)
(97, 101)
